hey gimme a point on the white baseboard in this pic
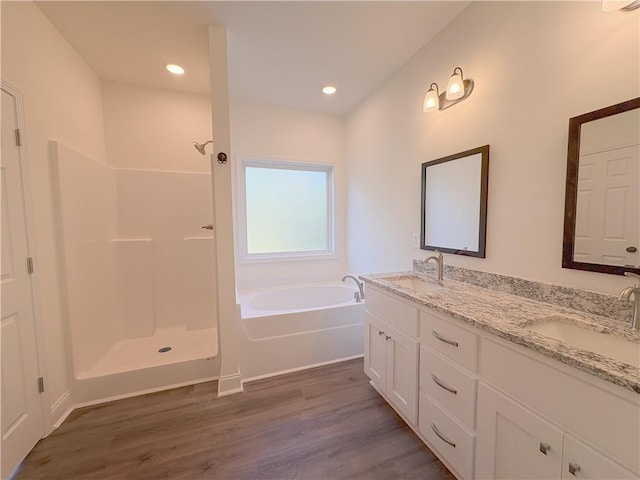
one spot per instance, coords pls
(230, 384)
(305, 367)
(60, 410)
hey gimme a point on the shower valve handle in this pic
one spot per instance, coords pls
(208, 227)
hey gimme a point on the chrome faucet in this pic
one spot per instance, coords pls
(439, 264)
(358, 282)
(626, 293)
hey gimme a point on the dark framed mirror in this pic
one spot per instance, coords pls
(602, 199)
(454, 203)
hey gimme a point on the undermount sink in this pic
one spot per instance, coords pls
(572, 333)
(417, 284)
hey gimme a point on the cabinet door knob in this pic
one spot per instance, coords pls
(380, 332)
(387, 337)
(573, 468)
(544, 447)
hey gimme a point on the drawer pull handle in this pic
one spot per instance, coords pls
(544, 447)
(573, 468)
(442, 385)
(445, 440)
(442, 339)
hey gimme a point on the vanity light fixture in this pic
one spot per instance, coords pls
(431, 101)
(614, 5)
(455, 87)
(458, 88)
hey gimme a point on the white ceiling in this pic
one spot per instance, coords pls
(279, 52)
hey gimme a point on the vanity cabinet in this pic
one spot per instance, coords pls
(489, 408)
(602, 415)
(516, 443)
(391, 355)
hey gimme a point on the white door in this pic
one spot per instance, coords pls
(22, 423)
(582, 461)
(513, 442)
(375, 350)
(402, 373)
(608, 213)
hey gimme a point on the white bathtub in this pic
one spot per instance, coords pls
(294, 327)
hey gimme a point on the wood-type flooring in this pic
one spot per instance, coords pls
(323, 423)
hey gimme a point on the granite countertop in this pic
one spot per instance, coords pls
(507, 316)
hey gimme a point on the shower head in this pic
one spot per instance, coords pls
(200, 146)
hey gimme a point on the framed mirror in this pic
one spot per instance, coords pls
(602, 200)
(454, 203)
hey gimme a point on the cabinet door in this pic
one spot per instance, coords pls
(402, 373)
(581, 461)
(513, 442)
(375, 345)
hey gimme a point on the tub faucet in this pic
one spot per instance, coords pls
(439, 264)
(626, 293)
(358, 282)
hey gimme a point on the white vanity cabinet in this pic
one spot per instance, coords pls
(516, 443)
(518, 389)
(391, 351)
(489, 408)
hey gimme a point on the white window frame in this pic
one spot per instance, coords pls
(244, 256)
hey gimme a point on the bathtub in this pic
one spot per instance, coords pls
(293, 327)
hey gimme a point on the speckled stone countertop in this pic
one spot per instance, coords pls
(507, 316)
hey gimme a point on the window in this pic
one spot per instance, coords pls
(285, 210)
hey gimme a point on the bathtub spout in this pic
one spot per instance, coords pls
(358, 282)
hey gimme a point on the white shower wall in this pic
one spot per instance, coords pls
(86, 213)
(165, 256)
(136, 261)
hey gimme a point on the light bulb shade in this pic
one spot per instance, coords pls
(431, 100)
(455, 87)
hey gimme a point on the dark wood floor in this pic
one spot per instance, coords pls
(325, 423)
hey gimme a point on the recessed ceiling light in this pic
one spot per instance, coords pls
(175, 69)
(329, 90)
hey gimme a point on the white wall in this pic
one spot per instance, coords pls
(261, 131)
(63, 102)
(153, 128)
(535, 65)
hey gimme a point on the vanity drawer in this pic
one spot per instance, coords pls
(396, 313)
(452, 388)
(448, 339)
(447, 436)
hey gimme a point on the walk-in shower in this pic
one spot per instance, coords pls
(138, 275)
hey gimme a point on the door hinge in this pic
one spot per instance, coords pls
(18, 138)
(40, 384)
(30, 265)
